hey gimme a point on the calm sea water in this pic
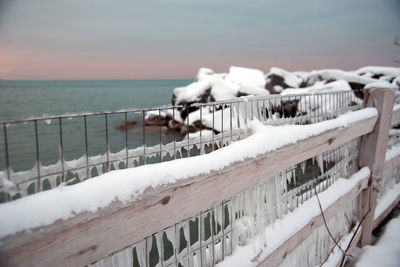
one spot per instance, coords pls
(19, 99)
(22, 99)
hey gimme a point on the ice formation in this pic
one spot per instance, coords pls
(127, 184)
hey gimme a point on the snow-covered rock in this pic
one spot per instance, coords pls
(209, 75)
(210, 86)
(329, 75)
(246, 76)
(379, 72)
(279, 79)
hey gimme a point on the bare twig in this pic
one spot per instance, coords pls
(326, 225)
(355, 232)
(330, 252)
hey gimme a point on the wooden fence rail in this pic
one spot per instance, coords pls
(91, 236)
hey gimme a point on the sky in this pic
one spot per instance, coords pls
(148, 39)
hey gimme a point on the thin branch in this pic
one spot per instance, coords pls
(356, 231)
(330, 252)
(326, 225)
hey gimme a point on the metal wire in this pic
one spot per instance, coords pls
(272, 110)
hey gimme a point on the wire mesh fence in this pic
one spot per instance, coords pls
(208, 237)
(45, 152)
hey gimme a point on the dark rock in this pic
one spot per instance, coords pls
(195, 127)
(357, 89)
(126, 125)
(157, 120)
(274, 80)
(175, 125)
(377, 76)
(286, 109)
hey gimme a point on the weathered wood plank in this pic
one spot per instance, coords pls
(89, 237)
(278, 256)
(384, 214)
(372, 154)
(396, 118)
(391, 164)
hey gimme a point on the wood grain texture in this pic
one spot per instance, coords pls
(372, 154)
(278, 256)
(89, 237)
(384, 214)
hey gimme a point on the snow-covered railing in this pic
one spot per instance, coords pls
(252, 202)
(67, 149)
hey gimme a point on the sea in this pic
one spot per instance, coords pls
(26, 99)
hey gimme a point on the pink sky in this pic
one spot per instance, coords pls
(147, 40)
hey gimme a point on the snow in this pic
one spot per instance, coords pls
(396, 107)
(336, 74)
(336, 256)
(282, 229)
(191, 92)
(388, 71)
(290, 79)
(209, 74)
(337, 86)
(129, 184)
(387, 199)
(249, 90)
(246, 76)
(386, 252)
(224, 90)
(381, 84)
(392, 152)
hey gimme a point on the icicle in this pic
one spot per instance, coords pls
(141, 252)
(218, 217)
(170, 232)
(123, 258)
(303, 167)
(185, 225)
(320, 161)
(289, 177)
(160, 247)
(294, 176)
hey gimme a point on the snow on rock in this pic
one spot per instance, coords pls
(322, 104)
(278, 79)
(336, 86)
(194, 92)
(224, 90)
(209, 75)
(128, 185)
(328, 75)
(210, 86)
(246, 76)
(377, 72)
(381, 84)
(251, 90)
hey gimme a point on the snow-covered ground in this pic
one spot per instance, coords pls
(386, 252)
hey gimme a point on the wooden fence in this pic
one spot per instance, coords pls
(88, 237)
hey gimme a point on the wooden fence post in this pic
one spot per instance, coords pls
(373, 148)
